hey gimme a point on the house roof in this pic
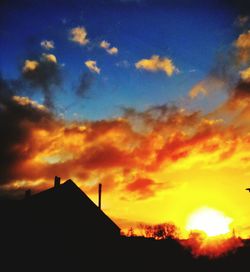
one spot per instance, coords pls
(68, 197)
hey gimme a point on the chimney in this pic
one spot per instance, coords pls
(57, 181)
(27, 194)
(99, 195)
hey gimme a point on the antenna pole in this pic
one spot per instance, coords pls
(99, 195)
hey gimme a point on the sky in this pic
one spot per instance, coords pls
(150, 98)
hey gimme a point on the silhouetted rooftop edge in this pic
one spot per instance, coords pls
(70, 186)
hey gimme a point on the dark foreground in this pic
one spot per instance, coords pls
(60, 229)
(125, 254)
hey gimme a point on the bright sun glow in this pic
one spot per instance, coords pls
(210, 221)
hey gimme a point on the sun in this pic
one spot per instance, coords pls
(209, 221)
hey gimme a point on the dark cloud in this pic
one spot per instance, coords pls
(86, 80)
(16, 123)
(227, 67)
(242, 90)
(46, 77)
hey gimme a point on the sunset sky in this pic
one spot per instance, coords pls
(150, 98)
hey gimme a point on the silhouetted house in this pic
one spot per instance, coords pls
(62, 217)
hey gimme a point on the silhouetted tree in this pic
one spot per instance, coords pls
(130, 232)
(159, 231)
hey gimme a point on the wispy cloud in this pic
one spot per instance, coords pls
(157, 63)
(197, 90)
(110, 50)
(91, 64)
(79, 35)
(84, 85)
(26, 101)
(123, 64)
(47, 44)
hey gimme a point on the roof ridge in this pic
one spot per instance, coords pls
(72, 186)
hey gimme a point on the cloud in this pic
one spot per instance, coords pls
(245, 74)
(49, 57)
(18, 115)
(31, 150)
(44, 74)
(30, 65)
(79, 35)
(243, 40)
(131, 152)
(38, 145)
(243, 46)
(47, 44)
(110, 50)
(242, 20)
(141, 186)
(197, 90)
(105, 156)
(227, 67)
(26, 101)
(241, 91)
(91, 64)
(157, 63)
(86, 80)
(104, 44)
(123, 64)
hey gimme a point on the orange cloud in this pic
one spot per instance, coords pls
(30, 65)
(156, 63)
(79, 35)
(245, 74)
(91, 64)
(243, 46)
(110, 50)
(105, 156)
(49, 57)
(142, 186)
(89, 148)
(26, 101)
(196, 90)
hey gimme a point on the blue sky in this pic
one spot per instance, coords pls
(190, 35)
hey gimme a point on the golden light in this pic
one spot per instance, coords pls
(209, 221)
